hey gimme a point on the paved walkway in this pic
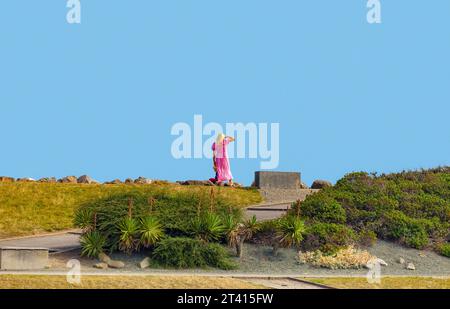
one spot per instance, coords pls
(267, 211)
(58, 242)
(277, 202)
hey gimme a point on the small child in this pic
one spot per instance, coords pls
(214, 180)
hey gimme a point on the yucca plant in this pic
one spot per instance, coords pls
(92, 244)
(128, 238)
(151, 231)
(252, 225)
(230, 224)
(84, 219)
(207, 227)
(290, 233)
(242, 232)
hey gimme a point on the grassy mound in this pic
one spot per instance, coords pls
(33, 208)
(412, 208)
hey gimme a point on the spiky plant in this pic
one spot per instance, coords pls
(92, 244)
(128, 238)
(230, 224)
(252, 225)
(242, 232)
(84, 219)
(151, 231)
(208, 227)
(290, 231)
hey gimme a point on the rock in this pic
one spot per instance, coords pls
(143, 181)
(48, 179)
(382, 262)
(410, 266)
(114, 182)
(320, 184)
(86, 179)
(129, 180)
(193, 183)
(104, 258)
(6, 179)
(101, 265)
(374, 261)
(26, 180)
(68, 179)
(116, 264)
(145, 263)
(197, 183)
(303, 185)
(401, 260)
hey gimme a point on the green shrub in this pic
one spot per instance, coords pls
(411, 207)
(444, 249)
(409, 231)
(92, 244)
(84, 219)
(208, 227)
(323, 208)
(181, 252)
(151, 231)
(290, 231)
(328, 237)
(128, 238)
(367, 238)
(174, 209)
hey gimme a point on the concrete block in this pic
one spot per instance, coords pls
(277, 180)
(12, 258)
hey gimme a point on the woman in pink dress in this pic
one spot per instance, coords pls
(220, 159)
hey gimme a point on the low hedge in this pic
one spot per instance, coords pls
(328, 237)
(444, 249)
(183, 252)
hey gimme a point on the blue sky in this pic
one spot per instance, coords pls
(100, 97)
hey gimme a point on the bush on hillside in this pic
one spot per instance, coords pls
(444, 249)
(320, 207)
(174, 212)
(410, 207)
(367, 238)
(328, 237)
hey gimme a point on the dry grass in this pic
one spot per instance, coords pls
(386, 283)
(34, 208)
(122, 282)
(347, 258)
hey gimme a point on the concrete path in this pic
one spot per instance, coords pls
(267, 211)
(58, 242)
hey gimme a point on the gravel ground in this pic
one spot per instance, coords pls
(258, 260)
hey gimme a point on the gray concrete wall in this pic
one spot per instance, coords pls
(277, 180)
(23, 258)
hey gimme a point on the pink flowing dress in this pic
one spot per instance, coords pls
(222, 163)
